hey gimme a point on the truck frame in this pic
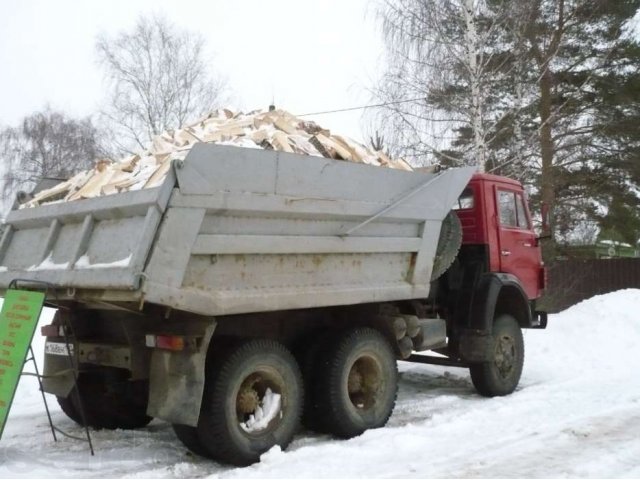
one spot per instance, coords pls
(254, 289)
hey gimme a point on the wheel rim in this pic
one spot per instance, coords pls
(505, 355)
(260, 402)
(364, 383)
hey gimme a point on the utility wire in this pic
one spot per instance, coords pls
(362, 107)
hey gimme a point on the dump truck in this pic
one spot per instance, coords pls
(253, 291)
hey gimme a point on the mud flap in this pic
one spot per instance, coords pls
(475, 346)
(176, 383)
(57, 375)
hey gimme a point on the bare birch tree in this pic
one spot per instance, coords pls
(45, 144)
(550, 96)
(441, 58)
(158, 79)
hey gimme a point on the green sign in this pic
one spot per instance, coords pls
(18, 319)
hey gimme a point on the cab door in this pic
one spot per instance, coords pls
(519, 253)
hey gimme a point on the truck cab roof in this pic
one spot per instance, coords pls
(488, 177)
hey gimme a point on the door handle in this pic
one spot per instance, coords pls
(527, 244)
(505, 253)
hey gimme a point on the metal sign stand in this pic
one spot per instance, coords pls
(72, 366)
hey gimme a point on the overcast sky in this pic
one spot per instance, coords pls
(307, 55)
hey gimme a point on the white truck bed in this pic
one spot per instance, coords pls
(234, 230)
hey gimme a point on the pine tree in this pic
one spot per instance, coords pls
(561, 107)
(584, 64)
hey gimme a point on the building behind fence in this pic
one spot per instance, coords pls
(571, 281)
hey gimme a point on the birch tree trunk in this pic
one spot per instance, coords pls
(468, 8)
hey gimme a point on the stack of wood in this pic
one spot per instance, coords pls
(408, 333)
(271, 130)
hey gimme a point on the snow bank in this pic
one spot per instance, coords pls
(596, 338)
(575, 414)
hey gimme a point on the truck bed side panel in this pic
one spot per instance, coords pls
(99, 243)
(255, 230)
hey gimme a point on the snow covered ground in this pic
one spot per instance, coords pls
(575, 414)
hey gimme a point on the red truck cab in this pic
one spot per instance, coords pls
(493, 211)
(489, 294)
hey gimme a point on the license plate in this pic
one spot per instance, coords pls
(53, 348)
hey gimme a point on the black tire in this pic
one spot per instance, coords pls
(501, 375)
(308, 355)
(236, 385)
(448, 246)
(109, 401)
(357, 383)
(69, 408)
(189, 437)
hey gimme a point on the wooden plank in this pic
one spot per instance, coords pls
(184, 137)
(94, 186)
(50, 192)
(281, 141)
(260, 121)
(285, 126)
(62, 188)
(336, 150)
(231, 132)
(277, 129)
(128, 164)
(260, 136)
(116, 182)
(212, 137)
(356, 156)
(156, 178)
(320, 147)
(303, 144)
(272, 244)
(162, 144)
(400, 165)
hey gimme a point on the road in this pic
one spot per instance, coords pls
(575, 414)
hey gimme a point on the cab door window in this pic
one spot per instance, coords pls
(523, 221)
(511, 210)
(465, 200)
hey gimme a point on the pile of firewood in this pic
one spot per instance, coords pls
(408, 333)
(272, 130)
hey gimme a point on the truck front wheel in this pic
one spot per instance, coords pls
(356, 383)
(500, 375)
(252, 401)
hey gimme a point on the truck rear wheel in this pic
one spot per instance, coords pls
(69, 408)
(109, 402)
(356, 383)
(252, 401)
(308, 354)
(189, 437)
(500, 375)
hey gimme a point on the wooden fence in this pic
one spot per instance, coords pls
(571, 281)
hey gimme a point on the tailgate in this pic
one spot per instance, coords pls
(93, 243)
